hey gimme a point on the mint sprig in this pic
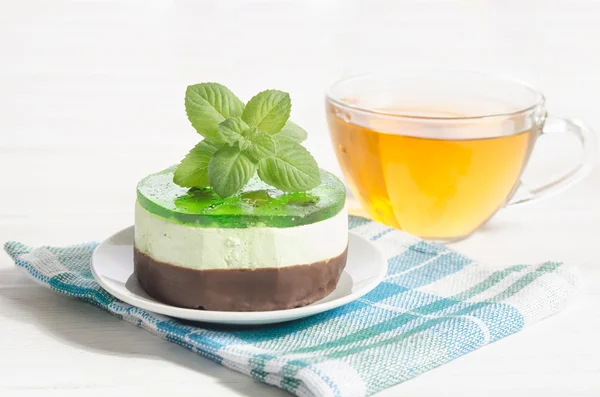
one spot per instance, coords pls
(242, 140)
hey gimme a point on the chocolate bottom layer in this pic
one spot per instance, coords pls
(238, 289)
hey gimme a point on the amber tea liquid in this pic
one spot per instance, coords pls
(431, 186)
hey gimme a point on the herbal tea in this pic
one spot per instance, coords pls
(432, 186)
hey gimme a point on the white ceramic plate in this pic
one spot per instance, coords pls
(112, 266)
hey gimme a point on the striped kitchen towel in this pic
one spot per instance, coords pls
(434, 306)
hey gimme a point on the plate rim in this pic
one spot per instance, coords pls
(237, 317)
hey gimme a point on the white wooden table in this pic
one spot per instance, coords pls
(91, 101)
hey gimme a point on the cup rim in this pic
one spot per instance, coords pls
(539, 97)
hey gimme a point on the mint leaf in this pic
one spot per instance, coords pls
(268, 111)
(292, 169)
(229, 170)
(251, 132)
(193, 169)
(208, 104)
(261, 146)
(232, 130)
(293, 131)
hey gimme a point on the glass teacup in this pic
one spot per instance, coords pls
(437, 153)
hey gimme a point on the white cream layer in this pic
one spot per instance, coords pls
(249, 248)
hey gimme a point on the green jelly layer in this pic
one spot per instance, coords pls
(258, 204)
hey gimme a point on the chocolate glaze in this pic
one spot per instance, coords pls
(238, 289)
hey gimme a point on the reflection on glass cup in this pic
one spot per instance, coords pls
(437, 153)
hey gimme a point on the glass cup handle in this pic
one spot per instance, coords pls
(587, 139)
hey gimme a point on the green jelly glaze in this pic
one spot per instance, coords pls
(257, 205)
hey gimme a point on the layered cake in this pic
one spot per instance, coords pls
(258, 250)
(247, 221)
